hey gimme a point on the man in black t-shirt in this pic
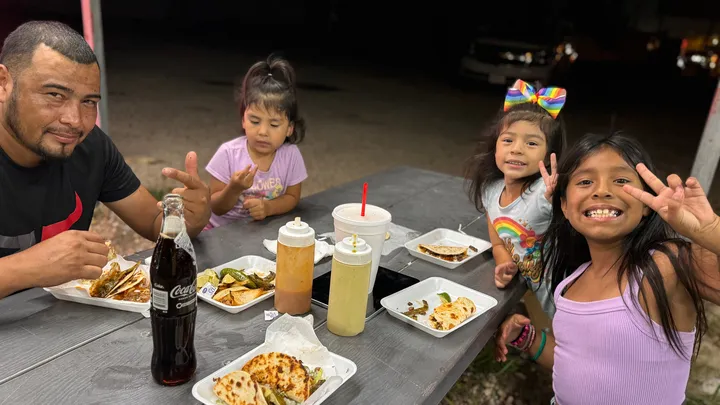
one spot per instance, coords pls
(55, 164)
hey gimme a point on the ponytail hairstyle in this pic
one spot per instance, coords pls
(271, 85)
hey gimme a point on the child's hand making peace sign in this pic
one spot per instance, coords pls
(551, 178)
(684, 206)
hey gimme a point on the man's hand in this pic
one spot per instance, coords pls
(550, 179)
(68, 256)
(242, 180)
(508, 331)
(684, 206)
(196, 194)
(504, 274)
(258, 208)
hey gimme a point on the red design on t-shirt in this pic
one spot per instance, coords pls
(59, 227)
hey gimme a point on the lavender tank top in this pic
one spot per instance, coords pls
(608, 352)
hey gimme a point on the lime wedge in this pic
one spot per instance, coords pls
(444, 297)
(207, 276)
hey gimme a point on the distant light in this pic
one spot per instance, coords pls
(528, 57)
(509, 56)
(573, 57)
(712, 65)
(698, 59)
(681, 63)
(568, 49)
(715, 41)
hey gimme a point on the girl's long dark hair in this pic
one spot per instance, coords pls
(271, 84)
(564, 249)
(481, 170)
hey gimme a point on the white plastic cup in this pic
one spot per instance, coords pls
(372, 228)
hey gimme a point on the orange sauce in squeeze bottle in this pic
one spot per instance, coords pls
(294, 268)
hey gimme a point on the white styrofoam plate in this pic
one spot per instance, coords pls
(82, 297)
(447, 237)
(251, 265)
(344, 369)
(428, 290)
(70, 292)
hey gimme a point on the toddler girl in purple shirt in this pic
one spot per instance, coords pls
(260, 173)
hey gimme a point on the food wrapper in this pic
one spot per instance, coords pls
(296, 337)
(322, 249)
(397, 236)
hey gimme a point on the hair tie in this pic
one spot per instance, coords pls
(551, 99)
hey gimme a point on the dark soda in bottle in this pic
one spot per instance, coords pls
(173, 274)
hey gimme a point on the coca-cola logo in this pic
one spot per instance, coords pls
(182, 291)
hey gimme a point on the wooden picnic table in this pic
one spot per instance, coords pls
(62, 352)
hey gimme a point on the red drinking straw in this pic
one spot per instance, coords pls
(364, 200)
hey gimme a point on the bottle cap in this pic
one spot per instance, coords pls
(296, 234)
(353, 251)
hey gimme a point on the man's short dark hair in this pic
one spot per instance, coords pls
(20, 45)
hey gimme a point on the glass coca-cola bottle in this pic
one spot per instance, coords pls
(173, 274)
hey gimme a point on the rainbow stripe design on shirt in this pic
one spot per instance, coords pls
(522, 244)
(508, 226)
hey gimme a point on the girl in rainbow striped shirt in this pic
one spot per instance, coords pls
(510, 183)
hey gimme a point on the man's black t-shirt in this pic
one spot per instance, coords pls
(40, 202)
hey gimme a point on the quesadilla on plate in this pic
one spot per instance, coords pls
(284, 374)
(448, 253)
(237, 388)
(110, 280)
(451, 314)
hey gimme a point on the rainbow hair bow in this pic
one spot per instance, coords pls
(551, 99)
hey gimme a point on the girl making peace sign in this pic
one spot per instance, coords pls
(510, 182)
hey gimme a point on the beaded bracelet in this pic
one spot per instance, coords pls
(530, 340)
(520, 340)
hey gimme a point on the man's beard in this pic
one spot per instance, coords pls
(12, 119)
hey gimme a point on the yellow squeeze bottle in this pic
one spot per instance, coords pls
(349, 282)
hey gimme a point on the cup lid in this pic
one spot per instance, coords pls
(351, 214)
(296, 234)
(353, 250)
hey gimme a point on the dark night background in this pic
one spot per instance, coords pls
(627, 74)
(617, 78)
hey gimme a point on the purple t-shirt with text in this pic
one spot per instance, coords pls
(287, 169)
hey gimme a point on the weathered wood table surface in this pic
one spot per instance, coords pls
(62, 352)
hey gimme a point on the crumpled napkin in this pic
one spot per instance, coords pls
(295, 336)
(322, 248)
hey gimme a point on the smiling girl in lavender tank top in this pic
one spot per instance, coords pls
(628, 290)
